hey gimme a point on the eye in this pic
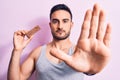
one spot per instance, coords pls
(65, 20)
(54, 21)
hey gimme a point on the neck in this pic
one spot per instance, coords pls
(61, 44)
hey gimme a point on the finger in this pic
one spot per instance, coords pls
(101, 26)
(107, 35)
(94, 21)
(28, 40)
(60, 54)
(23, 32)
(18, 33)
(86, 25)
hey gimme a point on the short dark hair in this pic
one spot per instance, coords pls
(60, 7)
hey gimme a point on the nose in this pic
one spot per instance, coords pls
(60, 25)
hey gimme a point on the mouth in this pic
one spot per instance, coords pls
(60, 31)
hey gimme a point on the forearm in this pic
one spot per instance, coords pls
(14, 65)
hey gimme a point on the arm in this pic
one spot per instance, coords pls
(15, 71)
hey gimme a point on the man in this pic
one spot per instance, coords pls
(60, 59)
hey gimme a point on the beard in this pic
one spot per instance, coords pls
(66, 35)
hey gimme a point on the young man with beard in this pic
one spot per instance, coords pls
(61, 59)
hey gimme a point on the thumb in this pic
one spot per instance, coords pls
(60, 54)
(28, 40)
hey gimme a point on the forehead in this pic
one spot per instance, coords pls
(60, 14)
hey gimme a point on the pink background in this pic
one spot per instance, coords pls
(24, 14)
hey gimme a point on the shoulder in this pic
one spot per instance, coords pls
(36, 50)
(35, 53)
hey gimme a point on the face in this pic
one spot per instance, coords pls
(60, 24)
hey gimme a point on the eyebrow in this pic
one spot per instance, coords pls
(66, 19)
(54, 19)
(58, 19)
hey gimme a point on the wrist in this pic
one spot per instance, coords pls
(17, 50)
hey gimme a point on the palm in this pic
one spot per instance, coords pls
(90, 54)
(19, 40)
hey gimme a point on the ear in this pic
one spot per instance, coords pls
(50, 24)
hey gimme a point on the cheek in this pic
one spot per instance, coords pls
(67, 27)
(54, 26)
(53, 29)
